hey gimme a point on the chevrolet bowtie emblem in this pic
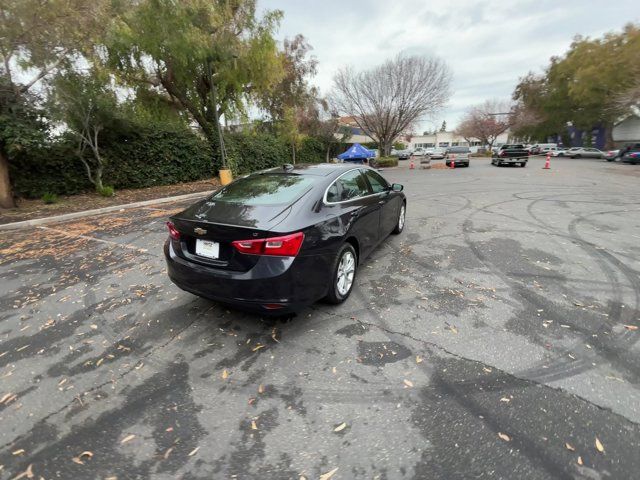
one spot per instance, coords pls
(199, 231)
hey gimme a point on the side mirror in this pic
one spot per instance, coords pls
(396, 187)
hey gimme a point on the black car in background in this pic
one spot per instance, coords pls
(280, 239)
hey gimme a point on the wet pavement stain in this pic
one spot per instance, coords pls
(380, 353)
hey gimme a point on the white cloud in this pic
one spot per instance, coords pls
(488, 44)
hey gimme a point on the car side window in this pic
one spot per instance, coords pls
(349, 186)
(377, 182)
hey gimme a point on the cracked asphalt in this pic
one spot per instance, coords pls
(495, 338)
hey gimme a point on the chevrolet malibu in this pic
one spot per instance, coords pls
(280, 239)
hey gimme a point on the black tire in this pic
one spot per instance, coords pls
(523, 164)
(400, 225)
(334, 296)
(466, 165)
(577, 156)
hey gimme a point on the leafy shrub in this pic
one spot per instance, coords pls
(50, 198)
(311, 150)
(106, 191)
(385, 162)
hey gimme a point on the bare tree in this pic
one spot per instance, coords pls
(486, 121)
(389, 99)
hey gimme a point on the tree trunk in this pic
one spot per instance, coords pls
(608, 131)
(293, 152)
(6, 194)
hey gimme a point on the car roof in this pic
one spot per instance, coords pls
(317, 169)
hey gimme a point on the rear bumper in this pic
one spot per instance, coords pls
(510, 160)
(292, 283)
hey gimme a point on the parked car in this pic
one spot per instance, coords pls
(627, 150)
(632, 157)
(611, 155)
(510, 154)
(419, 152)
(404, 154)
(560, 152)
(458, 155)
(277, 240)
(438, 153)
(537, 148)
(578, 152)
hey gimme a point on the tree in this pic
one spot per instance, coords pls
(210, 57)
(38, 38)
(443, 128)
(317, 121)
(485, 122)
(87, 106)
(389, 99)
(591, 85)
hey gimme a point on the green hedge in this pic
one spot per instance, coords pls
(385, 162)
(151, 156)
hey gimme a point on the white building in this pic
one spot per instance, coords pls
(451, 139)
(627, 130)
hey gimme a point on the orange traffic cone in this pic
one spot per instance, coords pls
(411, 165)
(453, 161)
(547, 164)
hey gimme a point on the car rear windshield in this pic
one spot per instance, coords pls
(458, 150)
(265, 189)
(513, 147)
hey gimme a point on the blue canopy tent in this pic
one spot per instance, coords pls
(356, 154)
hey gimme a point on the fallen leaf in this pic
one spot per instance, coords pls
(334, 370)
(486, 369)
(167, 453)
(128, 438)
(193, 452)
(257, 347)
(408, 383)
(505, 399)
(418, 359)
(27, 473)
(570, 447)
(253, 425)
(599, 445)
(579, 460)
(18, 452)
(225, 374)
(504, 436)
(260, 388)
(274, 333)
(631, 327)
(328, 475)
(340, 427)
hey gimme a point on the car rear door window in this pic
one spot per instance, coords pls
(349, 186)
(377, 182)
(265, 189)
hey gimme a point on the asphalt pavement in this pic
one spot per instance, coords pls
(496, 337)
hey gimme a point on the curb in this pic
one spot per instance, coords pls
(98, 211)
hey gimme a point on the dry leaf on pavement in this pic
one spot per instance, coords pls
(569, 447)
(504, 436)
(340, 427)
(253, 425)
(599, 445)
(631, 327)
(194, 451)
(128, 438)
(260, 388)
(328, 475)
(580, 461)
(408, 383)
(418, 359)
(225, 374)
(28, 473)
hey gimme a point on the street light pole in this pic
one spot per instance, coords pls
(225, 172)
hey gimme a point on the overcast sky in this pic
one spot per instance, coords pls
(487, 44)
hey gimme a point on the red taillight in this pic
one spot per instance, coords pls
(285, 246)
(173, 232)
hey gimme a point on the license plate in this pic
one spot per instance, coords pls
(207, 248)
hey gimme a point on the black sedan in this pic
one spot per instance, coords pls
(280, 239)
